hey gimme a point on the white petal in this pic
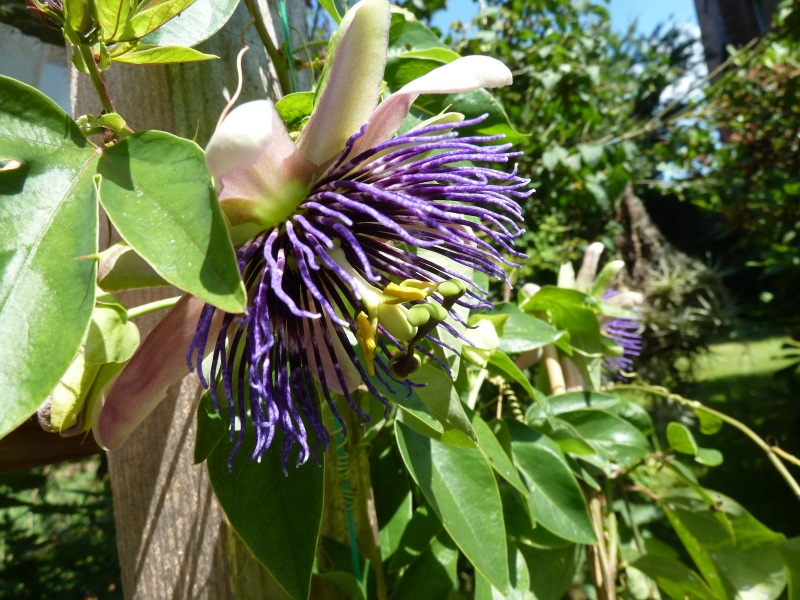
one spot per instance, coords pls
(588, 270)
(353, 83)
(240, 139)
(462, 75)
(258, 170)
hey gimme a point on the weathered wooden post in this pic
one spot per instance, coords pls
(172, 537)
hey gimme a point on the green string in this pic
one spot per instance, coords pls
(289, 51)
(342, 467)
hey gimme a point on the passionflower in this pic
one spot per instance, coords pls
(344, 237)
(624, 332)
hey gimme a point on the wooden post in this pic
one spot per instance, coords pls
(172, 536)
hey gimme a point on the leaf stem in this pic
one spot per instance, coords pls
(97, 79)
(151, 307)
(773, 455)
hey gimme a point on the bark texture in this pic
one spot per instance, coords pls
(173, 539)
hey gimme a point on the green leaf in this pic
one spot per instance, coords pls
(158, 194)
(151, 16)
(122, 269)
(571, 401)
(393, 502)
(709, 424)
(442, 400)
(734, 565)
(520, 579)
(556, 501)
(417, 536)
(674, 578)
(346, 582)
(554, 156)
(506, 366)
(682, 440)
(523, 332)
(411, 36)
(330, 7)
(790, 552)
(460, 487)
(78, 15)
(211, 429)
(591, 154)
(195, 24)
(48, 222)
(552, 570)
(111, 336)
(473, 104)
(494, 453)
(294, 108)
(277, 516)
(612, 437)
(112, 16)
(161, 55)
(433, 575)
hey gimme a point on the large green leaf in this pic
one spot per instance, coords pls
(612, 437)
(674, 578)
(197, 23)
(392, 490)
(441, 398)
(494, 452)
(552, 570)
(790, 552)
(161, 55)
(556, 501)
(520, 579)
(150, 16)
(48, 221)
(523, 332)
(460, 487)
(746, 564)
(431, 576)
(112, 16)
(416, 537)
(277, 516)
(158, 194)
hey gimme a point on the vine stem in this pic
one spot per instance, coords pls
(151, 307)
(774, 454)
(554, 371)
(275, 55)
(97, 79)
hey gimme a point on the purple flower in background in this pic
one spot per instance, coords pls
(625, 332)
(343, 235)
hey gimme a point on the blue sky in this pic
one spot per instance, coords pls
(648, 14)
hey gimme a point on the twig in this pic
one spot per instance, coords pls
(774, 457)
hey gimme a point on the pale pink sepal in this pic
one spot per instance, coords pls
(462, 75)
(353, 83)
(253, 160)
(588, 271)
(158, 363)
(350, 374)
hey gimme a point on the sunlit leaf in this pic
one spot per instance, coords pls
(460, 487)
(48, 234)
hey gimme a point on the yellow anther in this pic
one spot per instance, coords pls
(428, 286)
(406, 293)
(366, 340)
